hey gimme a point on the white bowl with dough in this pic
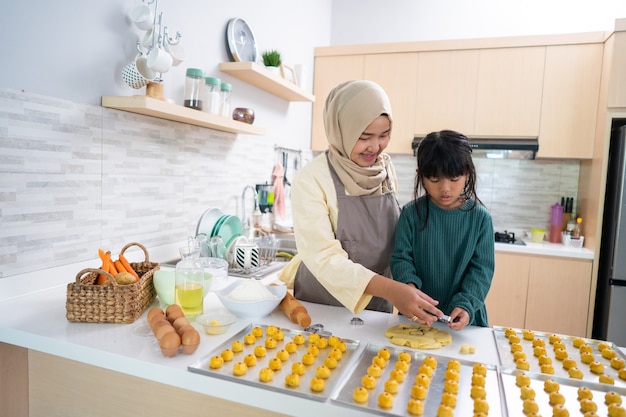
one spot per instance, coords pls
(251, 298)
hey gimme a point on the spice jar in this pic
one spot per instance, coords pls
(225, 106)
(194, 88)
(212, 95)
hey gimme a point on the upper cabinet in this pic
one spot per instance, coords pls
(524, 87)
(329, 72)
(570, 100)
(617, 92)
(395, 73)
(446, 91)
(508, 94)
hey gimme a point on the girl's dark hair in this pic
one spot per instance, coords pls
(444, 154)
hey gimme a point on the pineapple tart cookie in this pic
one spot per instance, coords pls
(418, 336)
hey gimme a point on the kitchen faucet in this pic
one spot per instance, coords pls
(247, 223)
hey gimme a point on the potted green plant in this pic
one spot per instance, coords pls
(272, 58)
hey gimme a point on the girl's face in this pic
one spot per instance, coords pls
(372, 142)
(446, 192)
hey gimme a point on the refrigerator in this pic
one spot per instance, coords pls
(610, 308)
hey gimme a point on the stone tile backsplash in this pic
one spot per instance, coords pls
(75, 177)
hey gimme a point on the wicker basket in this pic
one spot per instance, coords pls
(92, 303)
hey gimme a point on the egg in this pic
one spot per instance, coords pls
(180, 322)
(190, 341)
(173, 312)
(155, 312)
(158, 324)
(161, 330)
(169, 343)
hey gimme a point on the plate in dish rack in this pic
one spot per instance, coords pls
(207, 221)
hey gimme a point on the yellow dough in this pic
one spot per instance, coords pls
(374, 370)
(560, 411)
(240, 368)
(588, 406)
(391, 386)
(298, 368)
(249, 339)
(418, 336)
(317, 384)
(250, 359)
(481, 406)
(275, 364)
(404, 356)
(426, 370)
(384, 353)
(419, 392)
(478, 380)
(266, 375)
(335, 353)
(607, 379)
(380, 361)
(402, 365)
(596, 367)
(308, 359)
(257, 331)
(292, 380)
(430, 361)
(550, 385)
(584, 393)
(385, 400)
(445, 411)
(260, 351)
(617, 363)
(522, 380)
(330, 362)
(422, 380)
(270, 343)
(360, 395)
(612, 397)
(478, 392)
(527, 393)
(479, 369)
(283, 355)
(227, 355)
(448, 399)
(368, 381)
(237, 346)
(556, 398)
(299, 339)
(216, 362)
(322, 371)
(397, 374)
(415, 407)
(575, 373)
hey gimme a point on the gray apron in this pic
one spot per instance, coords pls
(365, 228)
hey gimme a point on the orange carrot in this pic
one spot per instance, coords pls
(106, 262)
(128, 267)
(119, 267)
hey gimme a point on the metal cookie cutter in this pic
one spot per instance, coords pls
(444, 319)
(314, 328)
(355, 321)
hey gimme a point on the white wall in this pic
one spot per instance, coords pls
(375, 21)
(75, 50)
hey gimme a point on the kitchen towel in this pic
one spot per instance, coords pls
(279, 190)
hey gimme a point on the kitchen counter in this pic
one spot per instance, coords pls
(36, 321)
(545, 249)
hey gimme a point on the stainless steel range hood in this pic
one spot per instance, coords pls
(498, 148)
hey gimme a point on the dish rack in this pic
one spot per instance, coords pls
(268, 246)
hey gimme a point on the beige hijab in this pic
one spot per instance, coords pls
(350, 108)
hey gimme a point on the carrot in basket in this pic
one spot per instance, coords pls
(107, 265)
(119, 267)
(128, 267)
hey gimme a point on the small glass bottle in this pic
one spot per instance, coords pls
(194, 88)
(577, 232)
(212, 95)
(225, 105)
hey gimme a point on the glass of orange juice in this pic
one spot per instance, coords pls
(189, 290)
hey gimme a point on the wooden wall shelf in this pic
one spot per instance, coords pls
(259, 76)
(164, 110)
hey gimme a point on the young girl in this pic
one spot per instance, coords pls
(444, 242)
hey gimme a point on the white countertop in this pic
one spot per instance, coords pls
(546, 249)
(37, 321)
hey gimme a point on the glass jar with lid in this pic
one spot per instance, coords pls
(225, 105)
(194, 88)
(212, 95)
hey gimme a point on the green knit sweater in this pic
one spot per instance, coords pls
(451, 259)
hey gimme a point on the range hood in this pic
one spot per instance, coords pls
(497, 148)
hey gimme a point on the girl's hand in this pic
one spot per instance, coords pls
(460, 319)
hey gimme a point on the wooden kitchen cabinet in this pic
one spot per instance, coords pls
(446, 91)
(558, 295)
(395, 73)
(330, 71)
(506, 301)
(570, 101)
(617, 90)
(508, 94)
(540, 293)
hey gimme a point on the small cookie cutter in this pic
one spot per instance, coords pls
(356, 321)
(444, 319)
(314, 328)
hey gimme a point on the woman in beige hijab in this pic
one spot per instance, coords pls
(345, 211)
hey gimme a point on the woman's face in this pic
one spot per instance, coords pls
(446, 192)
(372, 142)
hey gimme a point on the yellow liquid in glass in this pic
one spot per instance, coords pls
(190, 298)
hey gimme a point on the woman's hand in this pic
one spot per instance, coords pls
(410, 301)
(459, 319)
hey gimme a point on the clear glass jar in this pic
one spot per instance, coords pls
(225, 106)
(212, 95)
(194, 88)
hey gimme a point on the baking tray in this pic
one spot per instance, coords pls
(506, 357)
(278, 383)
(567, 386)
(343, 394)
